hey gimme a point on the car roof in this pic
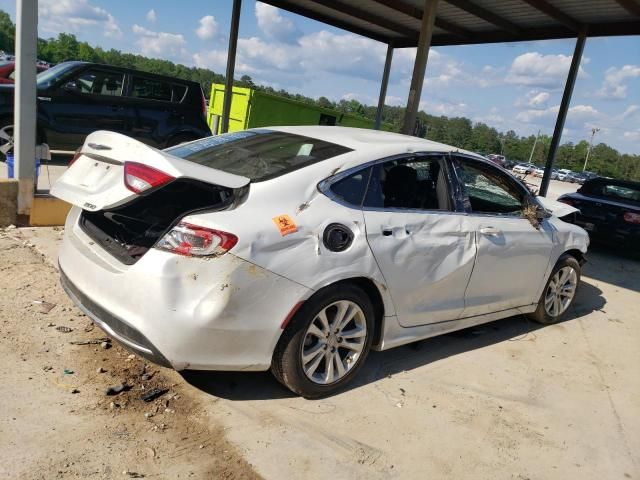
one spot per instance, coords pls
(167, 78)
(366, 140)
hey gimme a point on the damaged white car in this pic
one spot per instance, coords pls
(299, 249)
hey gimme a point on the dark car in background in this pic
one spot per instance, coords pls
(609, 211)
(77, 98)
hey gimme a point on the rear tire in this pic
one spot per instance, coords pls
(559, 292)
(318, 353)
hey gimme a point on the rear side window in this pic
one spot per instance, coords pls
(613, 191)
(150, 89)
(351, 189)
(258, 154)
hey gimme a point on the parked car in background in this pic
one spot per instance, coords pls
(609, 210)
(497, 159)
(7, 71)
(562, 174)
(77, 98)
(538, 172)
(202, 256)
(524, 168)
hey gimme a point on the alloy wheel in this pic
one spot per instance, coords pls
(333, 342)
(560, 291)
(6, 139)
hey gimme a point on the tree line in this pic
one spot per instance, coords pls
(457, 131)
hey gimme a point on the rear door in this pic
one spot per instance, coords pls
(421, 245)
(512, 254)
(88, 101)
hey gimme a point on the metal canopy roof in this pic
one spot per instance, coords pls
(461, 22)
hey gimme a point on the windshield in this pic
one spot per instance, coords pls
(258, 154)
(49, 77)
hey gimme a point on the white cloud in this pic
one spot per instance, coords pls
(57, 16)
(536, 69)
(160, 44)
(630, 112)
(634, 136)
(613, 86)
(575, 115)
(274, 25)
(151, 16)
(536, 99)
(208, 28)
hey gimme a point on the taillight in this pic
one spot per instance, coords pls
(75, 157)
(192, 240)
(631, 217)
(139, 177)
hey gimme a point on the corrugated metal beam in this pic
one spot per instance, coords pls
(415, 12)
(370, 18)
(630, 6)
(231, 65)
(486, 15)
(334, 22)
(553, 12)
(562, 112)
(420, 66)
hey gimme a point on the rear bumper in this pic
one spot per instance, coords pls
(115, 327)
(219, 313)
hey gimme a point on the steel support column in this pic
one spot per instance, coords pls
(383, 86)
(231, 65)
(562, 113)
(420, 65)
(24, 122)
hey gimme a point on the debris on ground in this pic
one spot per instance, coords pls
(105, 345)
(100, 370)
(45, 307)
(68, 371)
(75, 390)
(116, 389)
(152, 394)
(133, 474)
(64, 329)
(95, 341)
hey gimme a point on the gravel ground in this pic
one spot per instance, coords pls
(58, 422)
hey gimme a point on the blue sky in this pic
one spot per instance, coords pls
(509, 86)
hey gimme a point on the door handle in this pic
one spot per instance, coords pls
(490, 231)
(387, 232)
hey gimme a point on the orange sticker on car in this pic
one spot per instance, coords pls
(285, 224)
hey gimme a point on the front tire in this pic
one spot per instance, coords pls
(559, 292)
(326, 342)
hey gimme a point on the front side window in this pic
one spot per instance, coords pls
(258, 154)
(100, 82)
(489, 190)
(414, 183)
(150, 89)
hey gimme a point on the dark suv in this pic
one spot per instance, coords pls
(77, 98)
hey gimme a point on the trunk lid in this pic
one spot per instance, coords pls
(95, 181)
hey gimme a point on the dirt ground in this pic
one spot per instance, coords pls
(57, 421)
(506, 400)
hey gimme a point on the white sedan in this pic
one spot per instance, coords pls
(299, 249)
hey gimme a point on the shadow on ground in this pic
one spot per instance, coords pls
(615, 266)
(262, 385)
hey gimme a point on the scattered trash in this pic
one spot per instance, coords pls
(153, 394)
(399, 404)
(169, 410)
(47, 368)
(100, 370)
(116, 389)
(133, 474)
(112, 405)
(146, 377)
(64, 329)
(105, 345)
(68, 371)
(45, 307)
(130, 357)
(75, 390)
(89, 327)
(95, 341)
(148, 415)
(50, 324)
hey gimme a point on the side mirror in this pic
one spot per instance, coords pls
(71, 86)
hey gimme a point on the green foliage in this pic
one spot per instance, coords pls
(456, 131)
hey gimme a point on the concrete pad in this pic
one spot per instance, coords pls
(507, 400)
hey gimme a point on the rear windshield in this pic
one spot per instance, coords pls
(258, 154)
(627, 192)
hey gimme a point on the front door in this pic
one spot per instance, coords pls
(89, 101)
(512, 252)
(424, 253)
